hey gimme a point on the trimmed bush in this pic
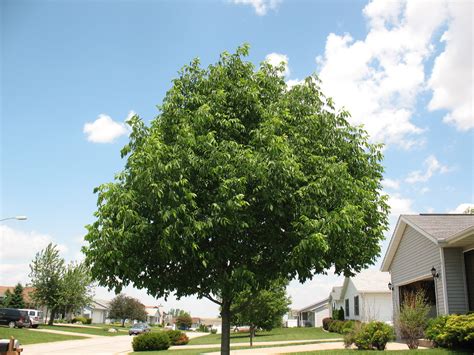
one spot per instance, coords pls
(213, 331)
(326, 322)
(177, 337)
(88, 321)
(373, 335)
(453, 331)
(151, 341)
(79, 319)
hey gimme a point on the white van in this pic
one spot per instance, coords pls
(36, 317)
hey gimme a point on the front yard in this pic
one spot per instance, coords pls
(278, 334)
(26, 336)
(85, 330)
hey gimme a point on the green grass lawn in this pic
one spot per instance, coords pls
(278, 334)
(26, 336)
(82, 330)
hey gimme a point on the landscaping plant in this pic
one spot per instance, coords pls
(413, 318)
(151, 341)
(373, 335)
(453, 331)
(177, 337)
(238, 181)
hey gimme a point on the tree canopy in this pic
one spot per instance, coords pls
(238, 181)
(16, 300)
(123, 307)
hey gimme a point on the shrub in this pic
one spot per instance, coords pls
(79, 319)
(177, 337)
(151, 341)
(454, 331)
(373, 335)
(413, 318)
(203, 328)
(326, 322)
(213, 331)
(88, 321)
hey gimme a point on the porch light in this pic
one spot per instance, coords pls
(390, 286)
(434, 273)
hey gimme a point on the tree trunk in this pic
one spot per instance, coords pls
(123, 322)
(252, 333)
(52, 316)
(225, 336)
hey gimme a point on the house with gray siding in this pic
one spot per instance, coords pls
(313, 315)
(433, 252)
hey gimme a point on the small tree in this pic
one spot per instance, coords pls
(123, 307)
(413, 317)
(184, 320)
(7, 297)
(262, 309)
(76, 290)
(16, 299)
(47, 270)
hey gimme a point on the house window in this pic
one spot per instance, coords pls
(356, 305)
(347, 307)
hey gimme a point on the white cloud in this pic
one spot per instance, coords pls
(452, 79)
(432, 166)
(104, 129)
(424, 190)
(379, 78)
(261, 6)
(276, 59)
(293, 82)
(391, 184)
(462, 207)
(399, 205)
(18, 248)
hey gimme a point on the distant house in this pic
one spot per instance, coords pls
(98, 311)
(365, 297)
(435, 253)
(154, 315)
(335, 300)
(312, 315)
(26, 294)
(292, 318)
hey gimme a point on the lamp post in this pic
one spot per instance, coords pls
(19, 218)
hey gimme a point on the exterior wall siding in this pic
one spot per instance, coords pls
(455, 280)
(413, 260)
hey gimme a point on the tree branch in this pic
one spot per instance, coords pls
(212, 299)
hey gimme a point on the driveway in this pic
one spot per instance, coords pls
(98, 345)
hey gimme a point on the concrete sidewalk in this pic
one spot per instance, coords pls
(308, 347)
(64, 333)
(258, 343)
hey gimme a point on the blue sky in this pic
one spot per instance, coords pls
(71, 72)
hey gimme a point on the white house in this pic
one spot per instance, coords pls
(98, 311)
(312, 315)
(154, 315)
(366, 297)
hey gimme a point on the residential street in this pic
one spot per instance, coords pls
(97, 345)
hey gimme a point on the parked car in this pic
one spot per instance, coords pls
(139, 328)
(36, 317)
(14, 318)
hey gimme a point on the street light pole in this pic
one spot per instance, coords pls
(19, 218)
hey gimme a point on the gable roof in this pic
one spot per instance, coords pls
(313, 306)
(441, 229)
(368, 281)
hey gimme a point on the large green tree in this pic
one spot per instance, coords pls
(123, 307)
(262, 309)
(238, 181)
